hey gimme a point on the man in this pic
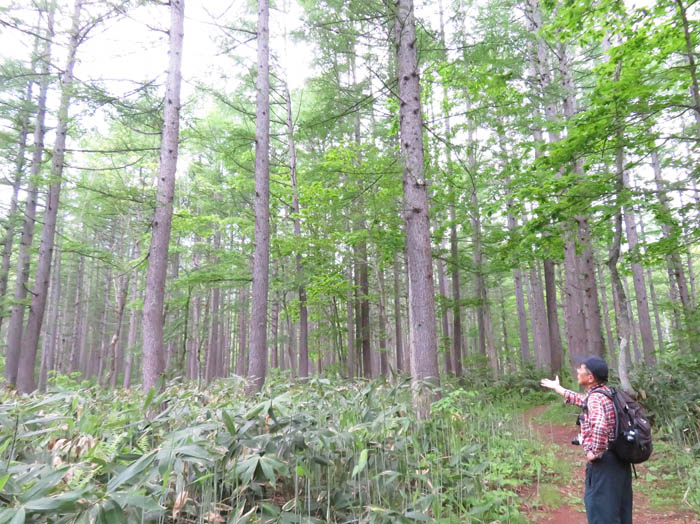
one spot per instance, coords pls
(608, 492)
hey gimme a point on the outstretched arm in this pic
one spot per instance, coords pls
(554, 385)
(570, 397)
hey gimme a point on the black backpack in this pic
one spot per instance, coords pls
(632, 441)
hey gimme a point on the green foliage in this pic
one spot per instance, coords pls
(312, 452)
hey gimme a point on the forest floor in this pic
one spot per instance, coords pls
(561, 502)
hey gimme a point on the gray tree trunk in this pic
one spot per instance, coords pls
(16, 324)
(652, 295)
(122, 296)
(518, 284)
(51, 342)
(303, 312)
(456, 358)
(669, 228)
(398, 331)
(30, 339)
(424, 362)
(543, 354)
(12, 215)
(131, 338)
(350, 318)
(257, 368)
(619, 297)
(242, 358)
(153, 362)
(640, 289)
(444, 316)
(555, 345)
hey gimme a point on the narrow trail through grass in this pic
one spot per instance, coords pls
(557, 497)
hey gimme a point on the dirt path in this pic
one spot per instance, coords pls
(563, 503)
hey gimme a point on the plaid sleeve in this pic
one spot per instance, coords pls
(598, 420)
(575, 399)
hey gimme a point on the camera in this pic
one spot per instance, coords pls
(578, 439)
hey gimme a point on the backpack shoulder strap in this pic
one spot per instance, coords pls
(611, 395)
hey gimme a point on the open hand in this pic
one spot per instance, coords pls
(551, 384)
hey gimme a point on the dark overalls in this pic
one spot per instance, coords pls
(608, 494)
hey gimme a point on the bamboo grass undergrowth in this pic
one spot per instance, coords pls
(320, 451)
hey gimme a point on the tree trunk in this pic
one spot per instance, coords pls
(12, 215)
(634, 326)
(350, 318)
(153, 362)
(424, 362)
(242, 358)
(518, 284)
(670, 230)
(131, 339)
(16, 325)
(612, 346)
(303, 313)
(557, 352)
(214, 356)
(640, 289)
(398, 332)
(257, 368)
(122, 295)
(652, 295)
(619, 296)
(456, 358)
(444, 315)
(543, 353)
(30, 339)
(50, 346)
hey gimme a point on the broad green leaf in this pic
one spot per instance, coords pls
(3, 480)
(44, 485)
(19, 517)
(361, 464)
(110, 513)
(137, 500)
(228, 421)
(64, 502)
(133, 470)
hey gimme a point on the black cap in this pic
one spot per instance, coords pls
(597, 367)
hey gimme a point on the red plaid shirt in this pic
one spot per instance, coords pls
(598, 424)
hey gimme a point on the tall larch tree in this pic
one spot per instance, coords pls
(257, 368)
(16, 323)
(422, 336)
(32, 332)
(153, 362)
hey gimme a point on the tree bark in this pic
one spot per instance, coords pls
(50, 347)
(398, 332)
(16, 325)
(30, 340)
(456, 358)
(640, 289)
(444, 316)
(12, 215)
(424, 362)
(555, 345)
(131, 339)
(543, 352)
(518, 284)
(296, 210)
(669, 230)
(242, 358)
(257, 368)
(153, 362)
(350, 318)
(619, 296)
